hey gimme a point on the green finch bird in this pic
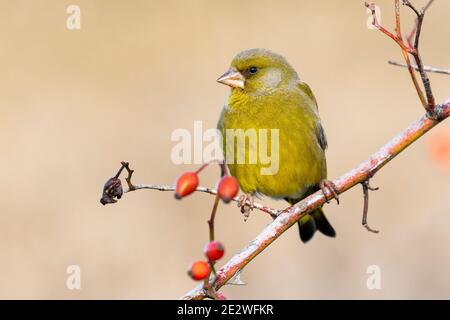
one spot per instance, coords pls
(267, 94)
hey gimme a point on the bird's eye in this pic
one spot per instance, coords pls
(253, 70)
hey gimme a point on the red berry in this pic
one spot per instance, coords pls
(199, 270)
(186, 184)
(228, 188)
(214, 250)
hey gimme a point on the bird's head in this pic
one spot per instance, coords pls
(258, 71)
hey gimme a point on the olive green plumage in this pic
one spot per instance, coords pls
(273, 97)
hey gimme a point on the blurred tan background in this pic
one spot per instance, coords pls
(73, 104)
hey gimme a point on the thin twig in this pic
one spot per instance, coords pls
(377, 25)
(126, 165)
(430, 101)
(366, 188)
(134, 187)
(419, 20)
(360, 174)
(209, 291)
(399, 40)
(271, 211)
(212, 218)
(426, 68)
(414, 79)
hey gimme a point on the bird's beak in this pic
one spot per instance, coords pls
(232, 78)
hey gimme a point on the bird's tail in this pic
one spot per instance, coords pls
(316, 220)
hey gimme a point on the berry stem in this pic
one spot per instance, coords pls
(212, 218)
(223, 167)
(123, 165)
(207, 286)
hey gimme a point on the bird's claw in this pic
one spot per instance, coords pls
(330, 187)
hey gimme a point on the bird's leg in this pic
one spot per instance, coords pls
(246, 203)
(330, 187)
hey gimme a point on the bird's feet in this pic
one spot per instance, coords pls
(246, 204)
(330, 187)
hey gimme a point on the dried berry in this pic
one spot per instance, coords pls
(111, 190)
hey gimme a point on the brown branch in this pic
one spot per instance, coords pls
(430, 101)
(207, 287)
(134, 187)
(414, 79)
(289, 217)
(130, 172)
(426, 68)
(406, 50)
(377, 25)
(427, 99)
(212, 218)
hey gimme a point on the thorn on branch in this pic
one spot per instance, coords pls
(366, 188)
(236, 280)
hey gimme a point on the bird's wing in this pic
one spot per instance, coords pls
(320, 132)
(306, 89)
(321, 136)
